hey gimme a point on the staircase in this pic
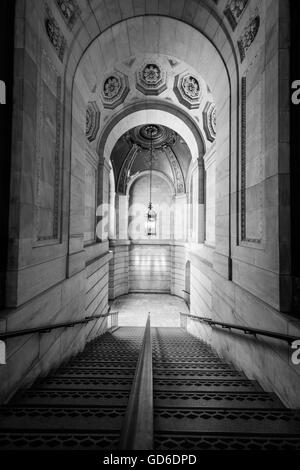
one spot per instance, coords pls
(200, 402)
(81, 405)
(203, 403)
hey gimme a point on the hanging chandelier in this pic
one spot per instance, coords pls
(151, 214)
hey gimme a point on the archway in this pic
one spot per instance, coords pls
(155, 108)
(242, 269)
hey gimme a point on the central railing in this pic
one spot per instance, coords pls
(137, 429)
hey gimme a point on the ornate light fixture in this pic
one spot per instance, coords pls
(151, 214)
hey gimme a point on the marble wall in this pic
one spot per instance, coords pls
(52, 276)
(263, 359)
(119, 268)
(150, 267)
(153, 266)
(241, 272)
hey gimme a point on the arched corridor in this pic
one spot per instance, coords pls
(151, 161)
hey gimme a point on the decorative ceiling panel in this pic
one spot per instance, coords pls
(151, 79)
(114, 90)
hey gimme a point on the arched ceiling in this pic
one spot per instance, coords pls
(97, 16)
(189, 65)
(150, 116)
(149, 77)
(170, 156)
(208, 35)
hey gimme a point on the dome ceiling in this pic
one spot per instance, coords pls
(131, 156)
(161, 136)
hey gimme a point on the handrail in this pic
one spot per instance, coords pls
(137, 429)
(246, 329)
(49, 328)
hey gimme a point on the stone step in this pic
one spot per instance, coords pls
(188, 360)
(109, 348)
(180, 355)
(222, 442)
(193, 374)
(112, 350)
(249, 400)
(40, 397)
(220, 420)
(116, 356)
(97, 373)
(84, 383)
(183, 340)
(183, 345)
(62, 418)
(100, 365)
(188, 366)
(129, 344)
(182, 358)
(59, 440)
(210, 385)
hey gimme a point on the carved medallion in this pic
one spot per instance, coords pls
(114, 90)
(188, 90)
(151, 79)
(210, 121)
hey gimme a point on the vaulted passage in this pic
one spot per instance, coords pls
(149, 166)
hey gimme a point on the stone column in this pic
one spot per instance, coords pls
(210, 196)
(201, 201)
(103, 214)
(122, 216)
(112, 215)
(190, 213)
(180, 217)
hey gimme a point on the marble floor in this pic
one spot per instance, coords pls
(164, 309)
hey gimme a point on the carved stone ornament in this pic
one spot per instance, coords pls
(54, 33)
(248, 36)
(210, 121)
(188, 90)
(114, 90)
(234, 10)
(125, 170)
(151, 79)
(178, 177)
(92, 121)
(69, 10)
